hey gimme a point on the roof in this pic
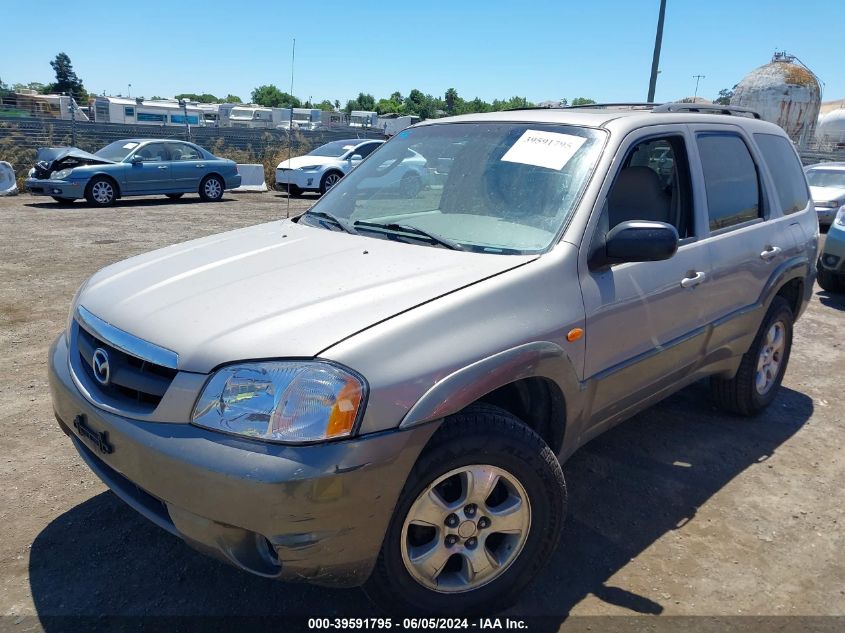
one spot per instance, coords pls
(619, 118)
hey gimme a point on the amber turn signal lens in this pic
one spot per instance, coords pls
(345, 410)
(574, 334)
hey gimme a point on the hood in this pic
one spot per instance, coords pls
(304, 161)
(50, 159)
(275, 290)
(823, 194)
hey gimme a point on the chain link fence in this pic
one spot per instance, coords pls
(21, 137)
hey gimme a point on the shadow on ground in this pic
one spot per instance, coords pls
(122, 202)
(834, 300)
(628, 488)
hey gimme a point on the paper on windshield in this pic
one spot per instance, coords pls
(544, 149)
(130, 145)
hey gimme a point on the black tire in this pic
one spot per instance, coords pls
(211, 188)
(410, 185)
(487, 435)
(62, 200)
(174, 196)
(329, 180)
(101, 191)
(740, 394)
(829, 281)
(293, 191)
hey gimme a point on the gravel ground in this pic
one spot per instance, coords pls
(681, 511)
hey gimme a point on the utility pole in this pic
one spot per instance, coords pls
(184, 104)
(655, 62)
(697, 79)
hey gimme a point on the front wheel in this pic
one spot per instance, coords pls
(211, 189)
(829, 281)
(101, 192)
(329, 181)
(481, 513)
(762, 367)
(410, 185)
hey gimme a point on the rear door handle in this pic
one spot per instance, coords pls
(200, 166)
(694, 280)
(770, 252)
(162, 166)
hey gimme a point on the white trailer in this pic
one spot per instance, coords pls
(146, 112)
(393, 124)
(363, 118)
(255, 116)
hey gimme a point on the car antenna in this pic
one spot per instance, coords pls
(290, 121)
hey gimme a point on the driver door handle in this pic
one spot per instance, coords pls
(770, 252)
(693, 280)
(162, 166)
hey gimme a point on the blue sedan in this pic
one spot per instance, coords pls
(131, 167)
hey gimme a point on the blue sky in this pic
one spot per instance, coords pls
(599, 49)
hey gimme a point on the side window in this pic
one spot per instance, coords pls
(730, 180)
(183, 151)
(654, 184)
(786, 172)
(154, 153)
(366, 150)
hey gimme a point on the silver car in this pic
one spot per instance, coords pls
(131, 167)
(827, 187)
(381, 391)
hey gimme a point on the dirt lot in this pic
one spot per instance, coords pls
(681, 511)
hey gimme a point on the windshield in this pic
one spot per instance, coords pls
(485, 187)
(117, 151)
(335, 149)
(826, 178)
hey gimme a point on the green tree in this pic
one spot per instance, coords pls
(581, 101)
(451, 97)
(232, 99)
(388, 106)
(337, 104)
(4, 89)
(203, 98)
(271, 97)
(33, 85)
(397, 97)
(724, 97)
(325, 105)
(66, 80)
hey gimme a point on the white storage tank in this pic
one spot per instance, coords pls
(831, 127)
(785, 92)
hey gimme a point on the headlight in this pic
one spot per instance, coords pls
(840, 217)
(828, 204)
(310, 168)
(61, 174)
(282, 401)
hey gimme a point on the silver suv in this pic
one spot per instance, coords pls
(381, 391)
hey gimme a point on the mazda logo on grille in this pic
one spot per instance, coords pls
(101, 366)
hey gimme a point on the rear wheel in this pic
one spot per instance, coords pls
(762, 367)
(330, 180)
(480, 514)
(62, 200)
(101, 192)
(410, 185)
(829, 281)
(211, 189)
(174, 196)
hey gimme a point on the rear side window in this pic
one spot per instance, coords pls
(731, 181)
(786, 172)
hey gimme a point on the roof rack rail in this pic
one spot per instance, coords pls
(622, 104)
(706, 108)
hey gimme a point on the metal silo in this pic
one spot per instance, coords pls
(831, 128)
(785, 92)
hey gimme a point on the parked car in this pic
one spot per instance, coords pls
(831, 263)
(827, 188)
(321, 168)
(381, 391)
(131, 167)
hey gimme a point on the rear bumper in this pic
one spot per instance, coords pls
(309, 513)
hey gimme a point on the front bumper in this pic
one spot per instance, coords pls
(833, 254)
(313, 513)
(298, 178)
(58, 188)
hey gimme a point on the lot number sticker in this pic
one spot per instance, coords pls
(544, 149)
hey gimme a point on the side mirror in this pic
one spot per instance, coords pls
(637, 241)
(356, 157)
(135, 160)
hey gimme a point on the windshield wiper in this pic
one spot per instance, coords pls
(342, 223)
(392, 227)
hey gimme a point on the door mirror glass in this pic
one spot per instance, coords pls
(357, 157)
(637, 241)
(136, 159)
